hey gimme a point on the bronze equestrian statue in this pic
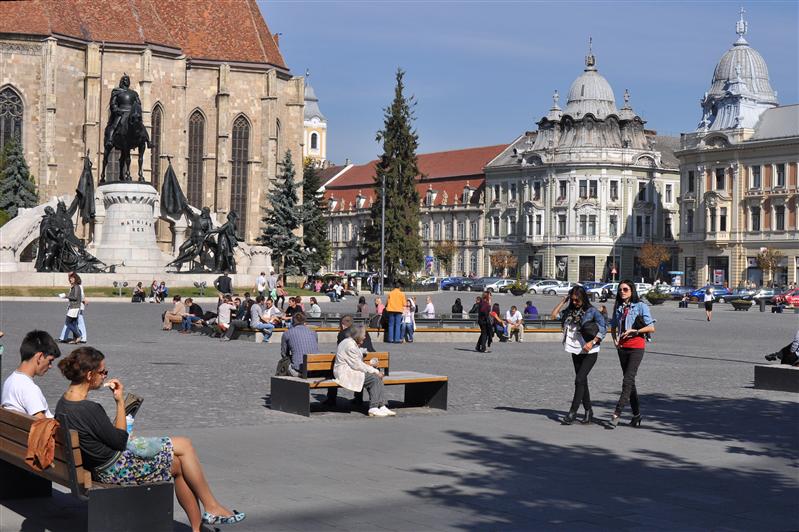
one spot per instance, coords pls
(125, 130)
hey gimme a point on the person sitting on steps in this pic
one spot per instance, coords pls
(789, 354)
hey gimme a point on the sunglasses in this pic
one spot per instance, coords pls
(103, 372)
(624, 289)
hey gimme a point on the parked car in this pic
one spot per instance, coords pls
(429, 281)
(588, 285)
(450, 283)
(643, 288)
(480, 284)
(679, 291)
(561, 290)
(538, 287)
(597, 290)
(466, 284)
(743, 293)
(792, 298)
(781, 298)
(497, 285)
(721, 293)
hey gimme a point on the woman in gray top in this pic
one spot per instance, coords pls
(73, 310)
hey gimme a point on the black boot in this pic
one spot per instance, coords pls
(569, 418)
(589, 417)
(636, 421)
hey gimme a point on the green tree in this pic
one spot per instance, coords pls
(283, 220)
(314, 226)
(17, 188)
(445, 253)
(768, 260)
(398, 166)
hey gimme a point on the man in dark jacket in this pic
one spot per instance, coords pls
(224, 284)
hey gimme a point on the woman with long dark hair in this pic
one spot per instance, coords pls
(583, 331)
(629, 327)
(484, 321)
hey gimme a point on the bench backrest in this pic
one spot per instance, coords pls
(66, 469)
(321, 364)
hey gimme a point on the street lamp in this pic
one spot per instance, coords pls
(382, 232)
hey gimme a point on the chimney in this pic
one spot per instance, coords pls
(347, 161)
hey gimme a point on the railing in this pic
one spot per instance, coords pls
(441, 321)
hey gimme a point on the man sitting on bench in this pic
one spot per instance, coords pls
(20, 393)
(298, 342)
(259, 320)
(789, 354)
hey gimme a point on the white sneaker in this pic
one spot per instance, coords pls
(386, 411)
(376, 412)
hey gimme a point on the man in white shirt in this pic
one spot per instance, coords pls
(260, 284)
(223, 314)
(515, 323)
(272, 314)
(20, 393)
(339, 290)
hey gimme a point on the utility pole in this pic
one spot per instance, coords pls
(383, 234)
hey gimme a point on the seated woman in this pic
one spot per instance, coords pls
(177, 313)
(161, 292)
(113, 459)
(353, 374)
(138, 293)
(500, 327)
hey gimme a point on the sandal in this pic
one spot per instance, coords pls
(211, 519)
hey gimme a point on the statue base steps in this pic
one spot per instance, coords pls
(241, 282)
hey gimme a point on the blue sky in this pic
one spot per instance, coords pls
(484, 72)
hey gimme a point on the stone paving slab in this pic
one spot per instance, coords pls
(714, 453)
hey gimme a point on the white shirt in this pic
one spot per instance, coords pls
(338, 288)
(514, 318)
(573, 341)
(272, 312)
(223, 317)
(709, 296)
(271, 281)
(21, 394)
(260, 283)
(315, 311)
(429, 311)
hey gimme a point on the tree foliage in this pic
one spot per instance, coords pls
(652, 255)
(282, 222)
(17, 188)
(398, 166)
(314, 225)
(444, 252)
(768, 260)
(503, 260)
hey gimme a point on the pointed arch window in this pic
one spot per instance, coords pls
(155, 146)
(11, 109)
(240, 174)
(194, 185)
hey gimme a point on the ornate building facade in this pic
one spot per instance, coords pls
(739, 176)
(218, 99)
(451, 188)
(314, 128)
(577, 198)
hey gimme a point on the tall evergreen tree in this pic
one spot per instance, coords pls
(314, 227)
(398, 166)
(284, 219)
(17, 188)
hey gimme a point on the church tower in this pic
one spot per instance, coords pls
(315, 126)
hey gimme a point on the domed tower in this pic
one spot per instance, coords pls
(315, 125)
(590, 93)
(740, 90)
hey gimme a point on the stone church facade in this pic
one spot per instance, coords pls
(218, 100)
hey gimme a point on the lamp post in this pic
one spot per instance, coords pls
(382, 232)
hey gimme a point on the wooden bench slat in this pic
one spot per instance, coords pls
(15, 454)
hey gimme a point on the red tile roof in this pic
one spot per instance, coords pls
(222, 30)
(444, 172)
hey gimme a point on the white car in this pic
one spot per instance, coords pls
(561, 290)
(643, 288)
(496, 285)
(597, 292)
(539, 287)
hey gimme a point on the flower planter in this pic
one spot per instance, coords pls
(518, 292)
(741, 305)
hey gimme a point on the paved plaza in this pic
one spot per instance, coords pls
(713, 454)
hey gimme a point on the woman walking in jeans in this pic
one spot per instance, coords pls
(583, 331)
(629, 327)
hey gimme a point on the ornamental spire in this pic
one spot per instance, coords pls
(741, 27)
(590, 60)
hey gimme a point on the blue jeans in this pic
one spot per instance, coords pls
(188, 321)
(72, 326)
(266, 328)
(407, 331)
(81, 328)
(394, 323)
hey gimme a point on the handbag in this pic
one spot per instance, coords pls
(73, 312)
(283, 365)
(589, 330)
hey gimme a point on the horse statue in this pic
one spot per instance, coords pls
(125, 130)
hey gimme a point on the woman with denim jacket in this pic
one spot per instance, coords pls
(583, 331)
(630, 327)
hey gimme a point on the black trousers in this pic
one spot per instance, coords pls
(630, 360)
(583, 363)
(785, 356)
(234, 324)
(485, 336)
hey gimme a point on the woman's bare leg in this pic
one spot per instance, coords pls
(186, 497)
(195, 477)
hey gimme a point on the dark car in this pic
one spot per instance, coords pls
(679, 291)
(466, 284)
(479, 285)
(450, 283)
(721, 293)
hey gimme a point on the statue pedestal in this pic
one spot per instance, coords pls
(128, 236)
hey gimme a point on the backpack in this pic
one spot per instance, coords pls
(283, 366)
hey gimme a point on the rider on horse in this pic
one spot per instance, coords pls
(125, 103)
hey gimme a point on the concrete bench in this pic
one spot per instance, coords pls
(292, 394)
(111, 507)
(778, 377)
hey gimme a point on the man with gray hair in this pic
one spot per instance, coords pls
(352, 373)
(344, 331)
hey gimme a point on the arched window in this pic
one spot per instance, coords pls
(314, 141)
(238, 183)
(10, 116)
(155, 146)
(194, 186)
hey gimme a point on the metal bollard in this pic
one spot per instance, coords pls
(762, 303)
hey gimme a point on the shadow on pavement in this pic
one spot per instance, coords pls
(513, 482)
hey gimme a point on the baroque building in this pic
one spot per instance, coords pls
(577, 198)
(738, 172)
(451, 191)
(218, 99)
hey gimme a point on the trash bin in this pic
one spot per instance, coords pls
(762, 303)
